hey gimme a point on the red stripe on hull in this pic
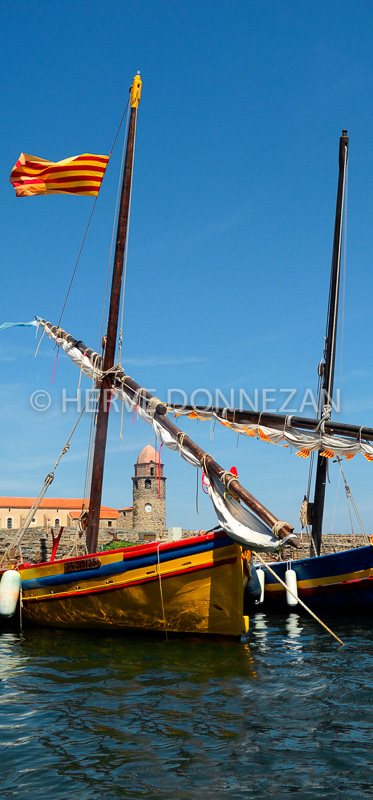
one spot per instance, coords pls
(332, 588)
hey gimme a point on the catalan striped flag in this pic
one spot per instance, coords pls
(77, 175)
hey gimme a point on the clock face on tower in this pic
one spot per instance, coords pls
(148, 508)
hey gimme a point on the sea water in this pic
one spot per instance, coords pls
(286, 712)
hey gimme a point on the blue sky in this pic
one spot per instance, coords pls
(231, 226)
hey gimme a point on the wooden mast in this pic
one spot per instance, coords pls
(112, 328)
(326, 368)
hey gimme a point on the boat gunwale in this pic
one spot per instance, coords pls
(308, 559)
(128, 553)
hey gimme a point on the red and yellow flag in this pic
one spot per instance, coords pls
(76, 175)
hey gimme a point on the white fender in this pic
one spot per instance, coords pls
(10, 585)
(261, 578)
(291, 583)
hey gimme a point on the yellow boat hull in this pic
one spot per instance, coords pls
(193, 586)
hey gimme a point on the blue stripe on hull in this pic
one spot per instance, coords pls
(127, 564)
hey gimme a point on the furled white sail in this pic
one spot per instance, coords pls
(239, 522)
(305, 443)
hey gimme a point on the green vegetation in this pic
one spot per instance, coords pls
(117, 544)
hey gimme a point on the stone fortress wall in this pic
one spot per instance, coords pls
(37, 543)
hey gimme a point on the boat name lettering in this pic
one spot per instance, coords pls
(79, 566)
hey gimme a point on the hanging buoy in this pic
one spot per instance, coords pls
(261, 578)
(10, 585)
(291, 583)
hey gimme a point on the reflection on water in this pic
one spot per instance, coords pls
(293, 626)
(285, 711)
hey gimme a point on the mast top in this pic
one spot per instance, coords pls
(136, 91)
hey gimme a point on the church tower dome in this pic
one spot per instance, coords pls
(148, 454)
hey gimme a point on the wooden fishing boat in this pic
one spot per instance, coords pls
(342, 580)
(332, 581)
(190, 586)
(195, 585)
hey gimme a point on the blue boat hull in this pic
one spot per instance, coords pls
(331, 582)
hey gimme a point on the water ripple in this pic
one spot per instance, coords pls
(285, 712)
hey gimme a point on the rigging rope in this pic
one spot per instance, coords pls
(89, 461)
(161, 590)
(126, 250)
(89, 221)
(90, 453)
(121, 420)
(336, 500)
(311, 466)
(47, 482)
(113, 230)
(351, 500)
(77, 261)
(197, 473)
(39, 343)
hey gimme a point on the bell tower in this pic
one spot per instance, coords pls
(149, 492)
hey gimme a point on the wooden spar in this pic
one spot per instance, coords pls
(278, 421)
(326, 369)
(146, 401)
(112, 328)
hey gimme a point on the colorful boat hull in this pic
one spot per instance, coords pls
(331, 582)
(191, 586)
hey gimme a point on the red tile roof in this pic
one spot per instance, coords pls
(72, 504)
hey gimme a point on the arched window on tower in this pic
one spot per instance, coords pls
(148, 484)
(9, 522)
(152, 470)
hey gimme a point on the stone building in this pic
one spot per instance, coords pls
(145, 520)
(125, 521)
(149, 492)
(52, 512)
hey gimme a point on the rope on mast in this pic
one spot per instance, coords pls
(350, 499)
(114, 221)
